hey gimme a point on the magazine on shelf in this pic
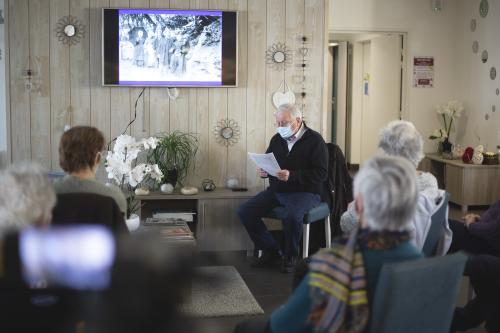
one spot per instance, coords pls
(175, 216)
(166, 221)
(177, 232)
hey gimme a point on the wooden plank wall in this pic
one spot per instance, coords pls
(71, 93)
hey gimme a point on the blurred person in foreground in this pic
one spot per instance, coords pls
(339, 287)
(26, 198)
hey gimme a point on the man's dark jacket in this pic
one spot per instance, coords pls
(307, 163)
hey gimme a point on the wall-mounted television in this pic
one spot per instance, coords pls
(172, 48)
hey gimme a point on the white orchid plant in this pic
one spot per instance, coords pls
(448, 111)
(121, 162)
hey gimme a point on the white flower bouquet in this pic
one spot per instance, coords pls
(121, 162)
(448, 111)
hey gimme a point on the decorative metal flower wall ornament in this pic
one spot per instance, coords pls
(70, 30)
(473, 25)
(227, 132)
(475, 46)
(484, 8)
(484, 56)
(278, 56)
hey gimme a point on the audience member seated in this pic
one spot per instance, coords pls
(26, 198)
(88, 208)
(337, 290)
(401, 138)
(79, 155)
(484, 274)
(478, 234)
(302, 155)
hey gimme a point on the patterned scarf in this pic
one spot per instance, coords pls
(338, 283)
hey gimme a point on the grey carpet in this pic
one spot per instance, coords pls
(220, 292)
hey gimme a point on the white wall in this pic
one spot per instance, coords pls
(428, 34)
(474, 83)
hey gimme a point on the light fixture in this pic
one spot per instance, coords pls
(333, 44)
(437, 5)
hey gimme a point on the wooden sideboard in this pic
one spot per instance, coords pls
(468, 184)
(217, 226)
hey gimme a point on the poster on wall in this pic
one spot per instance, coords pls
(423, 72)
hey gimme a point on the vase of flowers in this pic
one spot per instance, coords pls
(122, 167)
(447, 112)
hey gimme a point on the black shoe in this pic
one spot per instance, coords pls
(288, 264)
(268, 258)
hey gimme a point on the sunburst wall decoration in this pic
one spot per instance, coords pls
(278, 56)
(227, 132)
(69, 30)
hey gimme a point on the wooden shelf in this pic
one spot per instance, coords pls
(222, 193)
(468, 184)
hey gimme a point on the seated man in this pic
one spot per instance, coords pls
(336, 293)
(479, 234)
(302, 155)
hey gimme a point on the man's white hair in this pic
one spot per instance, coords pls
(401, 138)
(291, 109)
(388, 189)
(27, 196)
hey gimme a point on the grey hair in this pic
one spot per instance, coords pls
(290, 108)
(388, 189)
(401, 138)
(27, 196)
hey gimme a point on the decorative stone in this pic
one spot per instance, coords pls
(189, 190)
(141, 191)
(232, 182)
(167, 188)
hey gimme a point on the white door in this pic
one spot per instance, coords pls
(381, 90)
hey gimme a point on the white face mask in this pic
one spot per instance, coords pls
(285, 131)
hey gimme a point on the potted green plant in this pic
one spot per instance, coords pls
(175, 155)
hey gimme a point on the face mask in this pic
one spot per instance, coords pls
(285, 132)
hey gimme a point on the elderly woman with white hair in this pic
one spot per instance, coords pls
(401, 138)
(27, 197)
(339, 287)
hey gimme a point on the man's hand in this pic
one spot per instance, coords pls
(283, 175)
(262, 173)
(470, 218)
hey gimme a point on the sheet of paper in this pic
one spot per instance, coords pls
(266, 162)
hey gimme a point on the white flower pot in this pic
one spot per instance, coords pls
(133, 222)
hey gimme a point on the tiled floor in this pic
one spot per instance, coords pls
(272, 288)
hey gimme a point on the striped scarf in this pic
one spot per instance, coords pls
(338, 284)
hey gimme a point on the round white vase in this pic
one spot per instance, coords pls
(133, 222)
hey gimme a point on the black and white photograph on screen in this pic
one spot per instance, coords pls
(170, 47)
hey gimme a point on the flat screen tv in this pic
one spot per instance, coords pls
(172, 48)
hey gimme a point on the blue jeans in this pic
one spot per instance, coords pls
(297, 205)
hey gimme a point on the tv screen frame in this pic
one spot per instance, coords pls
(111, 49)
